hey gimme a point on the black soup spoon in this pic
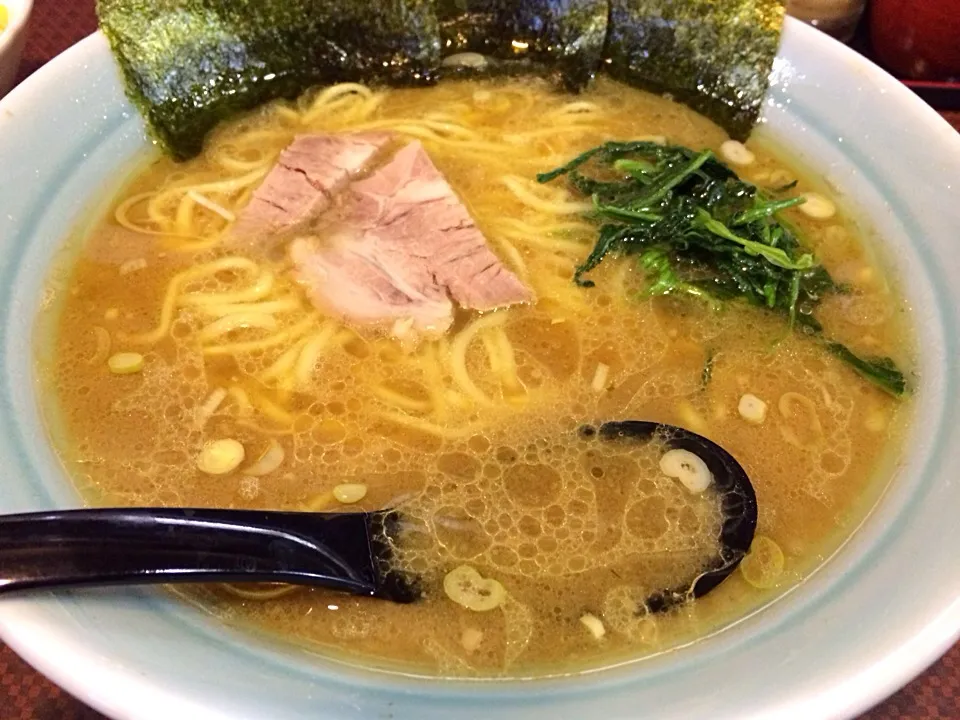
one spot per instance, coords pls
(350, 552)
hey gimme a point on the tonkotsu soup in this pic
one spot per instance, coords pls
(187, 364)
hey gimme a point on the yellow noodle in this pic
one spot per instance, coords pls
(122, 215)
(363, 112)
(224, 264)
(344, 336)
(210, 406)
(521, 189)
(400, 400)
(508, 361)
(219, 154)
(183, 218)
(238, 321)
(173, 209)
(580, 107)
(541, 237)
(242, 399)
(513, 255)
(433, 375)
(264, 138)
(455, 399)
(172, 296)
(421, 131)
(103, 346)
(167, 308)
(288, 303)
(560, 291)
(312, 348)
(551, 226)
(220, 186)
(283, 365)
(493, 353)
(786, 406)
(215, 208)
(156, 213)
(271, 410)
(618, 289)
(548, 132)
(261, 430)
(453, 129)
(336, 109)
(279, 338)
(190, 246)
(344, 110)
(286, 113)
(458, 356)
(259, 290)
(546, 243)
(328, 95)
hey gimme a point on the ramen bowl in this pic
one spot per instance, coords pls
(877, 612)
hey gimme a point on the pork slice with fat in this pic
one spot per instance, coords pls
(405, 247)
(308, 174)
(346, 277)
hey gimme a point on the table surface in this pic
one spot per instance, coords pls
(26, 695)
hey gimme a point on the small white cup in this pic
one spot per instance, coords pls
(12, 40)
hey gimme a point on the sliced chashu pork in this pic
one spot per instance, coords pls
(404, 249)
(308, 174)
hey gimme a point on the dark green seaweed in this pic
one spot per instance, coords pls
(714, 55)
(550, 36)
(188, 64)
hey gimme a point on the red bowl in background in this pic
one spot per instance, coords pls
(917, 39)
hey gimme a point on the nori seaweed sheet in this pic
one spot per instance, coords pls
(189, 64)
(714, 55)
(563, 37)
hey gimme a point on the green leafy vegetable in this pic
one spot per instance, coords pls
(882, 371)
(706, 375)
(700, 231)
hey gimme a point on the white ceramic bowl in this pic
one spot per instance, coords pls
(878, 612)
(12, 40)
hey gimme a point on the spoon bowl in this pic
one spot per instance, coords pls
(349, 552)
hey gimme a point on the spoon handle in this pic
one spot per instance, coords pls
(166, 545)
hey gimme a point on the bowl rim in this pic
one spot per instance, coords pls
(44, 648)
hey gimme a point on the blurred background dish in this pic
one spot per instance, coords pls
(14, 15)
(835, 17)
(918, 40)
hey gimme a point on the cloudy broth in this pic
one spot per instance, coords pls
(493, 474)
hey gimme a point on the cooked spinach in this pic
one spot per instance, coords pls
(699, 230)
(706, 375)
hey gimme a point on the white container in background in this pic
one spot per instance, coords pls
(12, 39)
(835, 17)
